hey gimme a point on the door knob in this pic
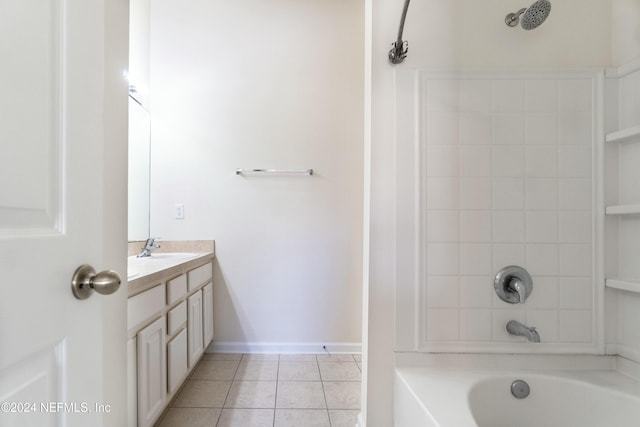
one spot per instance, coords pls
(85, 280)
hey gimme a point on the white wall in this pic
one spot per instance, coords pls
(625, 31)
(462, 33)
(255, 84)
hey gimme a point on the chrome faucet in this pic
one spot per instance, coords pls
(149, 246)
(516, 328)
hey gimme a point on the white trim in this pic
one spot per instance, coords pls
(505, 361)
(623, 70)
(632, 354)
(628, 367)
(517, 347)
(360, 422)
(283, 347)
(598, 212)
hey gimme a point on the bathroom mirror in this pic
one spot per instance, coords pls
(139, 170)
(139, 120)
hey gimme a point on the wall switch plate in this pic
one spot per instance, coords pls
(179, 211)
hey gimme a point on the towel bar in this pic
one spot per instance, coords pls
(276, 171)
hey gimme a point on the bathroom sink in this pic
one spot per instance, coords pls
(171, 255)
(140, 267)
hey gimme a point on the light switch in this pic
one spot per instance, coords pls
(179, 211)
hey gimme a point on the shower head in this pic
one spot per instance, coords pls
(532, 17)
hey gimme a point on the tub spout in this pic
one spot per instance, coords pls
(516, 328)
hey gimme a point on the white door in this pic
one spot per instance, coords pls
(63, 137)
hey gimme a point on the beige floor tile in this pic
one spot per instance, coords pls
(202, 394)
(342, 395)
(297, 358)
(257, 370)
(343, 417)
(262, 357)
(339, 371)
(301, 417)
(335, 357)
(215, 370)
(298, 371)
(252, 394)
(245, 418)
(300, 395)
(222, 356)
(192, 417)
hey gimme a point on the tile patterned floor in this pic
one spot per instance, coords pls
(270, 390)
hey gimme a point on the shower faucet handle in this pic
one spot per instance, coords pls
(518, 287)
(513, 284)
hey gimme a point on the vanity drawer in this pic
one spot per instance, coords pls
(176, 289)
(176, 318)
(199, 276)
(145, 305)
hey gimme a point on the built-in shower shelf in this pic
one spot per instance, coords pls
(624, 135)
(625, 285)
(623, 210)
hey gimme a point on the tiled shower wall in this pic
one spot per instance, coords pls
(506, 178)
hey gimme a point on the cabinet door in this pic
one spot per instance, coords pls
(207, 308)
(194, 327)
(132, 383)
(152, 372)
(177, 360)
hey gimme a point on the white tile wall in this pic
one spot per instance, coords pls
(508, 181)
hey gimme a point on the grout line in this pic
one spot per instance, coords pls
(228, 392)
(275, 400)
(324, 394)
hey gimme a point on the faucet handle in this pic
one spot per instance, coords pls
(150, 243)
(516, 285)
(513, 284)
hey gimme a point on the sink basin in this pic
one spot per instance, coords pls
(170, 255)
(140, 267)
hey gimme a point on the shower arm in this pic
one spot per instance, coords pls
(400, 48)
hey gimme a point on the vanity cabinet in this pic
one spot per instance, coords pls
(170, 324)
(152, 371)
(194, 328)
(207, 313)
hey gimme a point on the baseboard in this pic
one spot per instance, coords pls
(283, 347)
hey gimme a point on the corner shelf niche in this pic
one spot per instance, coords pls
(630, 134)
(625, 285)
(627, 135)
(623, 209)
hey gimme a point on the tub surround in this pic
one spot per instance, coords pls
(149, 275)
(496, 169)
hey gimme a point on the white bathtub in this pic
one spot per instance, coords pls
(428, 397)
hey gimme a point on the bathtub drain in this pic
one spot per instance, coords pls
(520, 389)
